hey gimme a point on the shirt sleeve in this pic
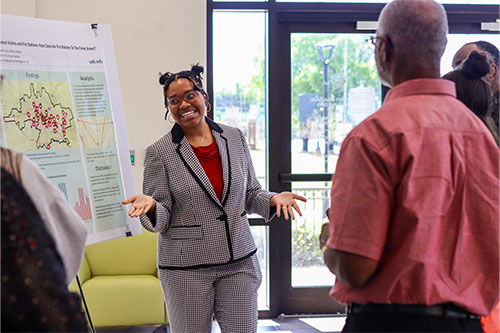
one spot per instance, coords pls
(361, 199)
(155, 184)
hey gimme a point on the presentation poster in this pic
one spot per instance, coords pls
(61, 107)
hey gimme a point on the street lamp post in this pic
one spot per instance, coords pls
(327, 46)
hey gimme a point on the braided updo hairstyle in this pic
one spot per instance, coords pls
(193, 75)
(474, 89)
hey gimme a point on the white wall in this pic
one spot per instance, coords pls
(150, 36)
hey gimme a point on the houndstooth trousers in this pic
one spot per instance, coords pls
(228, 291)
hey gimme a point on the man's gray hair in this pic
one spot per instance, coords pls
(417, 28)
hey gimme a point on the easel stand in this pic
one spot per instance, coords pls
(85, 304)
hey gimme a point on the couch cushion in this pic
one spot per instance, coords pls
(134, 255)
(125, 300)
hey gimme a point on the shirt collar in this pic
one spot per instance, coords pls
(422, 87)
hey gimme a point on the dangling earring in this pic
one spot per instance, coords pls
(170, 118)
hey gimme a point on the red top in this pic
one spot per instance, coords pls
(417, 189)
(210, 161)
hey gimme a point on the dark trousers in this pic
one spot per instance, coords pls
(366, 322)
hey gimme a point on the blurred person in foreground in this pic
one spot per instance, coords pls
(415, 197)
(35, 296)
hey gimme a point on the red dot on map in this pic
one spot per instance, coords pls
(55, 131)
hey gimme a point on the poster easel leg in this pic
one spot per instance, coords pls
(85, 304)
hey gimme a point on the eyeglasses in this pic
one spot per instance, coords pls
(373, 41)
(189, 97)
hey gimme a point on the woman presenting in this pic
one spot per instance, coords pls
(199, 185)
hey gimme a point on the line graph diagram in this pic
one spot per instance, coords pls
(96, 132)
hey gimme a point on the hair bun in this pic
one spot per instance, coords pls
(164, 77)
(197, 69)
(476, 66)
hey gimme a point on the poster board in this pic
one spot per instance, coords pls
(61, 107)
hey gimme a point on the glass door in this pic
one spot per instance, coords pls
(328, 85)
(326, 82)
(334, 86)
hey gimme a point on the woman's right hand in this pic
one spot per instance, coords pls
(141, 204)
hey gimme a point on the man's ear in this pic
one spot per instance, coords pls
(386, 49)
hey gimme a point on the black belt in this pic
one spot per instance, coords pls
(443, 310)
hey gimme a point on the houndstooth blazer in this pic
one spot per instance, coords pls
(196, 229)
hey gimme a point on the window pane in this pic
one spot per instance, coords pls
(308, 268)
(335, 86)
(261, 236)
(239, 81)
(239, 50)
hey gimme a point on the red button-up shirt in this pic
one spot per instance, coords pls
(417, 189)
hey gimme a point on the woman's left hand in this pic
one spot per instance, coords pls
(286, 201)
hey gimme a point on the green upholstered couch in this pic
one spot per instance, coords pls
(120, 282)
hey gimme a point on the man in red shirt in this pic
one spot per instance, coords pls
(414, 231)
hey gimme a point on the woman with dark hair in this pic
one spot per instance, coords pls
(475, 91)
(199, 185)
(473, 88)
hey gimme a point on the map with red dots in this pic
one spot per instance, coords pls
(43, 122)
